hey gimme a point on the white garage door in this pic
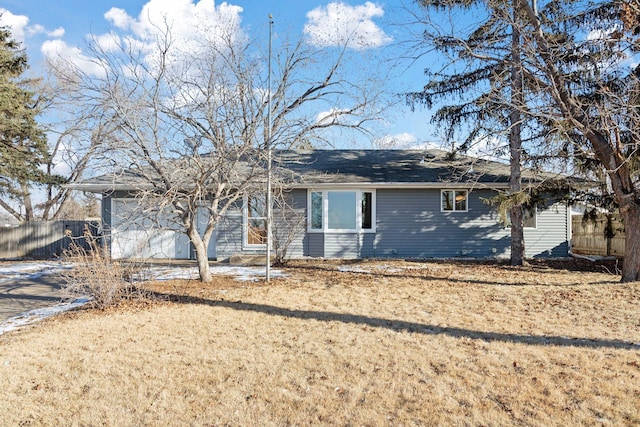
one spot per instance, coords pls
(136, 236)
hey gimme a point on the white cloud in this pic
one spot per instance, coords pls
(334, 115)
(17, 23)
(489, 148)
(339, 23)
(405, 141)
(326, 116)
(20, 28)
(190, 23)
(119, 18)
(193, 26)
(602, 34)
(34, 29)
(401, 140)
(58, 50)
(57, 33)
(108, 42)
(185, 19)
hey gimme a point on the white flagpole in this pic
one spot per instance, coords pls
(269, 196)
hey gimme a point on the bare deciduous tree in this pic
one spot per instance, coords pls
(189, 128)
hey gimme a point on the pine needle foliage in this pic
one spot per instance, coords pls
(23, 144)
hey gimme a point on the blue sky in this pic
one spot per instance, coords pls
(45, 27)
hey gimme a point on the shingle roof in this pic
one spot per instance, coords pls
(363, 167)
(390, 166)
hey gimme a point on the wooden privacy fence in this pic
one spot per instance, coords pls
(588, 238)
(44, 239)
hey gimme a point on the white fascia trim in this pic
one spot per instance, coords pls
(96, 188)
(407, 185)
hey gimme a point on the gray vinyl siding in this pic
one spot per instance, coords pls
(367, 245)
(297, 224)
(107, 220)
(410, 224)
(551, 236)
(314, 245)
(341, 245)
(349, 245)
(230, 239)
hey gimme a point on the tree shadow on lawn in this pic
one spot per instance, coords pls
(400, 325)
(424, 276)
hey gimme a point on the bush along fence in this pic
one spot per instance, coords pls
(604, 236)
(45, 239)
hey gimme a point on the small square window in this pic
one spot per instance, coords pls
(454, 200)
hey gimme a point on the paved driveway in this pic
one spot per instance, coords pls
(28, 285)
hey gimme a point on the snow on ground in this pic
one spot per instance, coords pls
(240, 273)
(32, 270)
(351, 269)
(32, 316)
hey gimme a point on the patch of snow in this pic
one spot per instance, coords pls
(31, 270)
(240, 273)
(350, 269)
(38, 314)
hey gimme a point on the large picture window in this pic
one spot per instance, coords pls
(454, 200)
(341, 210)
(256, 220)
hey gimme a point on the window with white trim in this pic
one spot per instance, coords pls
(255, 220)
(342, 210)
(454, 200)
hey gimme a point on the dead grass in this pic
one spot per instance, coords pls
(399, 343)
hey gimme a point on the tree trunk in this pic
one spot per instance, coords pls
(631, 263)
(517, 236)
(26, 199)
(612, 158)
(515, 144)
(202, 258)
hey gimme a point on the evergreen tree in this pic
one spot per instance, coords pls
(581, 55)
(23, 145)
(483, 84)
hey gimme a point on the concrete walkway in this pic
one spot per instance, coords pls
(24, 293)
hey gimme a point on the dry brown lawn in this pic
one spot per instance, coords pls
(385, 344)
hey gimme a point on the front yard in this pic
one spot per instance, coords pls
(358, 343)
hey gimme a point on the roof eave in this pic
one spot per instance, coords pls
(101, 188)
(400, 185)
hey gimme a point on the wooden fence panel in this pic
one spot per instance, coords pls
(588, 238)
(44, 239)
